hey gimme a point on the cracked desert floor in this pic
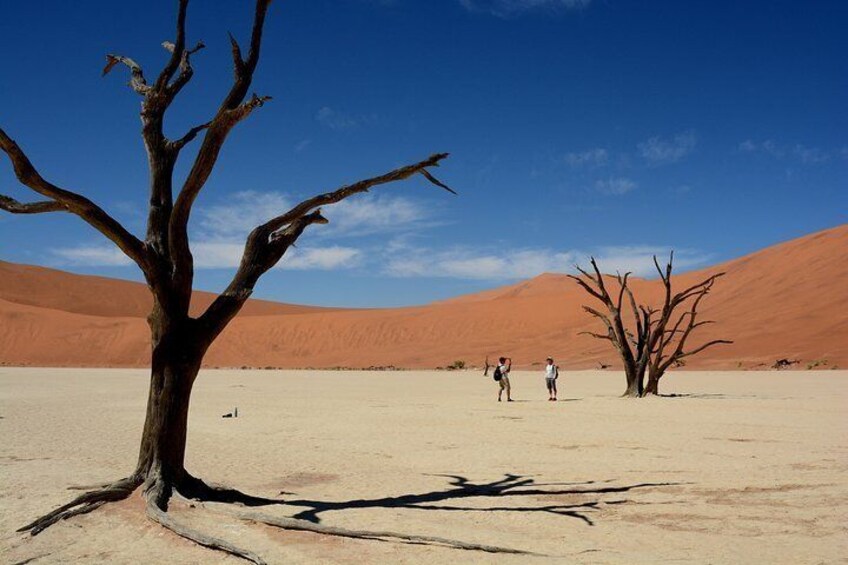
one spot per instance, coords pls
(733, 467)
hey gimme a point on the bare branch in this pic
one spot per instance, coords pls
(349, 190)
(600, 280)
(238, 62)
(189, 136)
(11, 205)
(137, 82)
(73, 202)
(585, 286)
(177, 48)
(599, 336)
(703, 347)
(263, 250)
(436, 181)
(244, 70)
(186, 71)
(231, 111)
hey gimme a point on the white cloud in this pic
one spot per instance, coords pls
(216, 254)
(590, 157)
(242, 212)
(223, 255)
(810, 154)
(334, 119)
(506, 8)
(363, 216)
(747, 146)
(99, 255)
(464, 263)
(804, 154)
(768, 146)
(321, 258)
(658, 151)
(615, 185)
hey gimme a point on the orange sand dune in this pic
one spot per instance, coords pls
(787, 301)
(101, 296)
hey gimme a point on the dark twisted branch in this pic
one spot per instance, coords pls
(11, 205)
(186, 71)
(137, 80)
(95, 216)
(232, 110)
(177, 48)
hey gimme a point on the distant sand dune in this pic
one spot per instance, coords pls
(787, 301)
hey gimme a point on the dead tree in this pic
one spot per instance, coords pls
(651, 344)
(179, 340)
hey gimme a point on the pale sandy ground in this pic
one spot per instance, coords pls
(755, 465)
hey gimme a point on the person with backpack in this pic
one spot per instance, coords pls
(551, 374)
(502, 377)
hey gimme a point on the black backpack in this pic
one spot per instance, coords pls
(497, 374)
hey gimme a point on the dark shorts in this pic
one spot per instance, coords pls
(551, 384)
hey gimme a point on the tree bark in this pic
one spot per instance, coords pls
(634, 382)
(178, 350)
(653, 386)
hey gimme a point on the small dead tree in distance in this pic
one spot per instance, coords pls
(180, 341)
(652, 344)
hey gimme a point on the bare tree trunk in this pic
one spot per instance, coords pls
(178, 350)
(653, 386)
(634, 382)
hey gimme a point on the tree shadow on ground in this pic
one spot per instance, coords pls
(463, 489)
(579, 500)
(693, 395)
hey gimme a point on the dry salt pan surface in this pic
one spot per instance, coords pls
(739, 467)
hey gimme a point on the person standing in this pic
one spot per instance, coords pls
(503, 368)
(551, 374)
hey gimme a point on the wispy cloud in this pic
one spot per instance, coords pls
(465, 263)
(218, 255)
(768, 146)
(92, 255)
(507, 8)
(810, 155)
(240, 213)
(658, 150)
(590, 157)
(227, 255)
(615, 186)
(377, 214)
(799, 152)
(335, 119)
(302, 145)
(245, 210)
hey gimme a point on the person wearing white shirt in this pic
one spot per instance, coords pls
(551, 374)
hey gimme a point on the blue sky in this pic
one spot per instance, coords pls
(609, 127)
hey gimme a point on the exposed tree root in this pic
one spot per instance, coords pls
(84, 504)
(306, 526)
(166, 521)
(89, 487)
(196, 489)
